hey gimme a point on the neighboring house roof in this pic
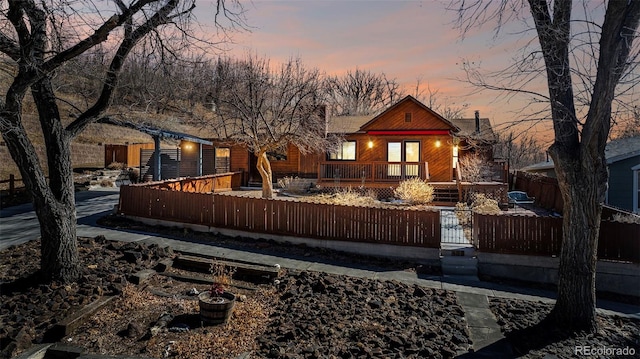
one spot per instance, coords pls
(621, 149)
(347, 124)
(467, 128)
(540, 166)
(616, 150)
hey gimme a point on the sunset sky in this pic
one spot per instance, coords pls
(410, 40)
(406, 40)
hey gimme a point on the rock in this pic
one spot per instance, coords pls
(132, 256)
(134, 330)
(419, 292)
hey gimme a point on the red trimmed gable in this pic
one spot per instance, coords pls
(395, 118)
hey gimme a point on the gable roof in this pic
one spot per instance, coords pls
(355, 124)
(410, 98)
(462, 127)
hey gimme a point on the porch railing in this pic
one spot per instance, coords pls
(374, 171)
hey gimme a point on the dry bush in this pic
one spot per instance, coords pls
(463, 212)
(107, 183)
(222, 275)
(626, 218)
(484, 205)
(349, 197)
(116, 166)
(414, 191)
(285, 182)
(134, 175)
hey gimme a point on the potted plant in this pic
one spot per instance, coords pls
(216, 303)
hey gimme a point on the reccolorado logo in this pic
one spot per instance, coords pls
(587, 350)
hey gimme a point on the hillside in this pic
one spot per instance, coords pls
(88, 147)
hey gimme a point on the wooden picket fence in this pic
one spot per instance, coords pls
(542, 236)
(396, 226)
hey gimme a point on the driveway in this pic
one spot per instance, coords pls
(19, 224)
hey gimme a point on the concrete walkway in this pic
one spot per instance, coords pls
(19, 224)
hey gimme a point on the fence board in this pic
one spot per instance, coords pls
(543, 236)
(312, 220)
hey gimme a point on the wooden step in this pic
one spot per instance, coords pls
(245, 271)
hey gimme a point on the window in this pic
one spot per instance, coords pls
(407, 117)
(408, 151)
(222, 160)
(346, 152)
(455, 156)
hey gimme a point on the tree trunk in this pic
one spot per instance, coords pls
(264, 168)
(583, 186)
(54, 201)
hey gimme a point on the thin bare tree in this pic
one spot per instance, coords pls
(267, 107)
(40, 38)
(361, 92)
(519, 150)
(587, 71)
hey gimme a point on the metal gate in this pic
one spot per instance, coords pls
(456, 226)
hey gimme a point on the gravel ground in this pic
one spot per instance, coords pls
(522, 323)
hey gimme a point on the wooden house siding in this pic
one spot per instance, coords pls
(440, 159)
(128, 154)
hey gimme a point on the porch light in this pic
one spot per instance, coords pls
(438, 143)
(188, 147)
(370, 144)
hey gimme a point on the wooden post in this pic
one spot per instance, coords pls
(12, 185)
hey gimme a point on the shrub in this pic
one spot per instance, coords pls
(414, 191)
(484, 205)
(349, 197)
(134, 175)
(116, 166)
(106, 183)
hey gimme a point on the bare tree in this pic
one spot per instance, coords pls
(595, 61)
(432, 99)
(628, 127)
(518, 150)
(267, 108)
(40, 37)
(361, 92)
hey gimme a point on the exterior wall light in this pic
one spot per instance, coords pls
(370, 144)
(438, 143)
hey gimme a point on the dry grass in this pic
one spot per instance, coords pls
(249, 320)
(348, 197)
(414, 191)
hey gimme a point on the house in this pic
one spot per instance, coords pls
(623, 160)
(406, 140)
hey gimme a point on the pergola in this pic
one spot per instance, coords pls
(159, 134)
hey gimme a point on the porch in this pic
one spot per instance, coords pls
(383, 177)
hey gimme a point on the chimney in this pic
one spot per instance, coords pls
(477, 121)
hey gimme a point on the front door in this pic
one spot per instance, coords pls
(406, 151)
